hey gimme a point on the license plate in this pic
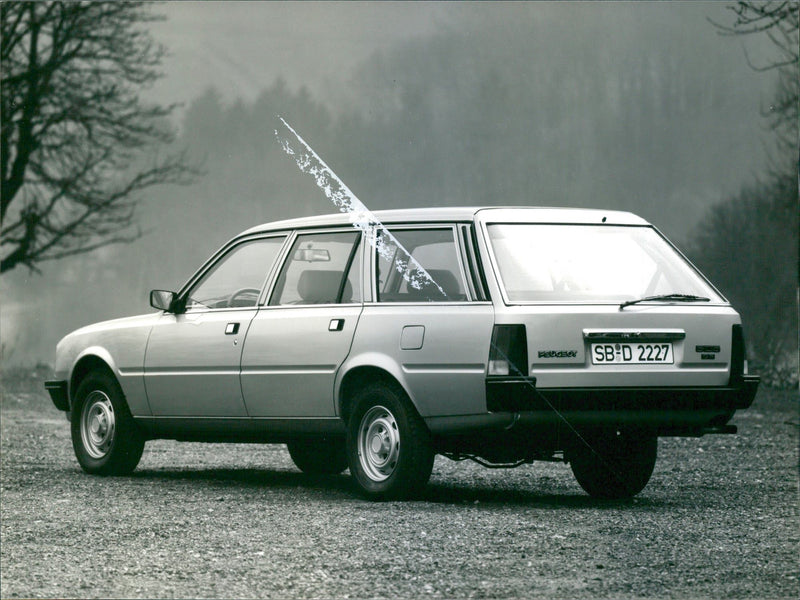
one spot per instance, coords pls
(632, 354)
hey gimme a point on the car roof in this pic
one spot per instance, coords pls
(460, 214)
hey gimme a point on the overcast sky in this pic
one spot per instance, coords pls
(241, 47)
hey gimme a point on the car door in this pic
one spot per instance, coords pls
(193, 358)
(297, 342)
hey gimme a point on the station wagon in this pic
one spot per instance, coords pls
(501, 335)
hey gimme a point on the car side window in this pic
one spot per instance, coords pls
(401, 280)
(236, 280)
(314, 272)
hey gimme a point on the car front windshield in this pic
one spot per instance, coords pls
(590, 264)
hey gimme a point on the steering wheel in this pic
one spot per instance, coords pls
(241, 292)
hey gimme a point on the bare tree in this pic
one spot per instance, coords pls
(760, 226)
(77, 143)
(780, 22)
(747, 245)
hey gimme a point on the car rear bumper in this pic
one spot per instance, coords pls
(669, 410)
(516, 402)
(58, 393)
(516, 394)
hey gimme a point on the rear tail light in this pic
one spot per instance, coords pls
(508, 354)
(738, 355)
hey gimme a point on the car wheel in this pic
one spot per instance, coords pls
(615, 466)
(318, 456)
(388, 445)
(104, 436)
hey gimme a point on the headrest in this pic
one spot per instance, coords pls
(321, 287)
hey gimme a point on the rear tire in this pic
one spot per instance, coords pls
(105, 437)
(318, 456)
(616, 466)
(388, 445)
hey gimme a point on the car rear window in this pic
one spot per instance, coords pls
(589, 263)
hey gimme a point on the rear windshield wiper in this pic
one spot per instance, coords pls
(667, 298)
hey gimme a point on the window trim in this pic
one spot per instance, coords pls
(477, 277)
(349, 265)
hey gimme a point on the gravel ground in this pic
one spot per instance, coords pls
(719, 519)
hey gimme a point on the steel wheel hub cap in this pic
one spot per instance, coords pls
(97, 424)
(378, 443)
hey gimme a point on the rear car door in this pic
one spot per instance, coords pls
(297, 342)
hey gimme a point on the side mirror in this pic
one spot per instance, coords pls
(163, 300)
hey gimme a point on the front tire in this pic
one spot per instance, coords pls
(388, 446)
(104, 436)
(318, 456)
(615, 466)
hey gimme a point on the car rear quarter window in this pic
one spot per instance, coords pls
(400, 279)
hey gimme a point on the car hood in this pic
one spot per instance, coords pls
(113, 324)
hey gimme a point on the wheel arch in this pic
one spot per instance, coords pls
(93, 360)
(358, 376)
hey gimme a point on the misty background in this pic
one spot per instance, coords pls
(632, 106)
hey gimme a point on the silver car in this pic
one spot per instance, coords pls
(502, 335)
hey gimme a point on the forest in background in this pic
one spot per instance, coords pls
(459, 119)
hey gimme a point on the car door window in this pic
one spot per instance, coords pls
(236, 280)
(314, 272)
(402, 280)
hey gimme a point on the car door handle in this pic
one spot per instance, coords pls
(336, 325)
(231, 329)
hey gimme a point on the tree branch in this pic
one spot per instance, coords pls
(73, 125)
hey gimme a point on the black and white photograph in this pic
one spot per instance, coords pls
(396, 299)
